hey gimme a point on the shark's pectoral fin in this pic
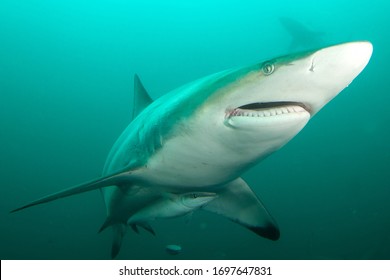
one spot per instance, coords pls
(118, 179)
(237, 202)
(119, 231)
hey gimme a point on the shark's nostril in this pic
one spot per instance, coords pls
(311, 69)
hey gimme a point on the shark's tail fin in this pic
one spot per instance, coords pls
(117, 179)
(119, 231)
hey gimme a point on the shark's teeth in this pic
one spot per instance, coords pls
(267, 112)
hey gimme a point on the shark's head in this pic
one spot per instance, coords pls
(307, 80)
(301, 83)
(245, 114)
(195, 200)
(208, 132)
(270, 102)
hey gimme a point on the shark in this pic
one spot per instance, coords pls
(199, 138)
(171, 206)
(301, 36)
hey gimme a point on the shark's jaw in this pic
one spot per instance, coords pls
(263, 110)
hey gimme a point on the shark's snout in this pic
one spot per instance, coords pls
(330, 70)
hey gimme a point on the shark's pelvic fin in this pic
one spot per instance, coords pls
(141, 97)
(108, 222)
(237, 202)
(117, 179)
(145, 226)
(119, 231)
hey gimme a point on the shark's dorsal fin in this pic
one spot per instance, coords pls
(237, 202)
(117, 179)
(141, 98)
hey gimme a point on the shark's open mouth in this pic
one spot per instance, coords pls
(267, 109)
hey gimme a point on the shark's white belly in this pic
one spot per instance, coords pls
(191, 162)
(209, 154)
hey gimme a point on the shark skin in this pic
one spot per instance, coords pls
(202, 136)
(171, 206)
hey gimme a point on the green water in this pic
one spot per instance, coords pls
(66, 78)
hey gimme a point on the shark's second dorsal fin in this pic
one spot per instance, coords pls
(237, 202)
(141, 98)
(117, 179)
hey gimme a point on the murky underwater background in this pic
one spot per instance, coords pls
(66, 78)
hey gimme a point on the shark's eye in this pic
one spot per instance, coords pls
(194, 195)
(268, 68)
